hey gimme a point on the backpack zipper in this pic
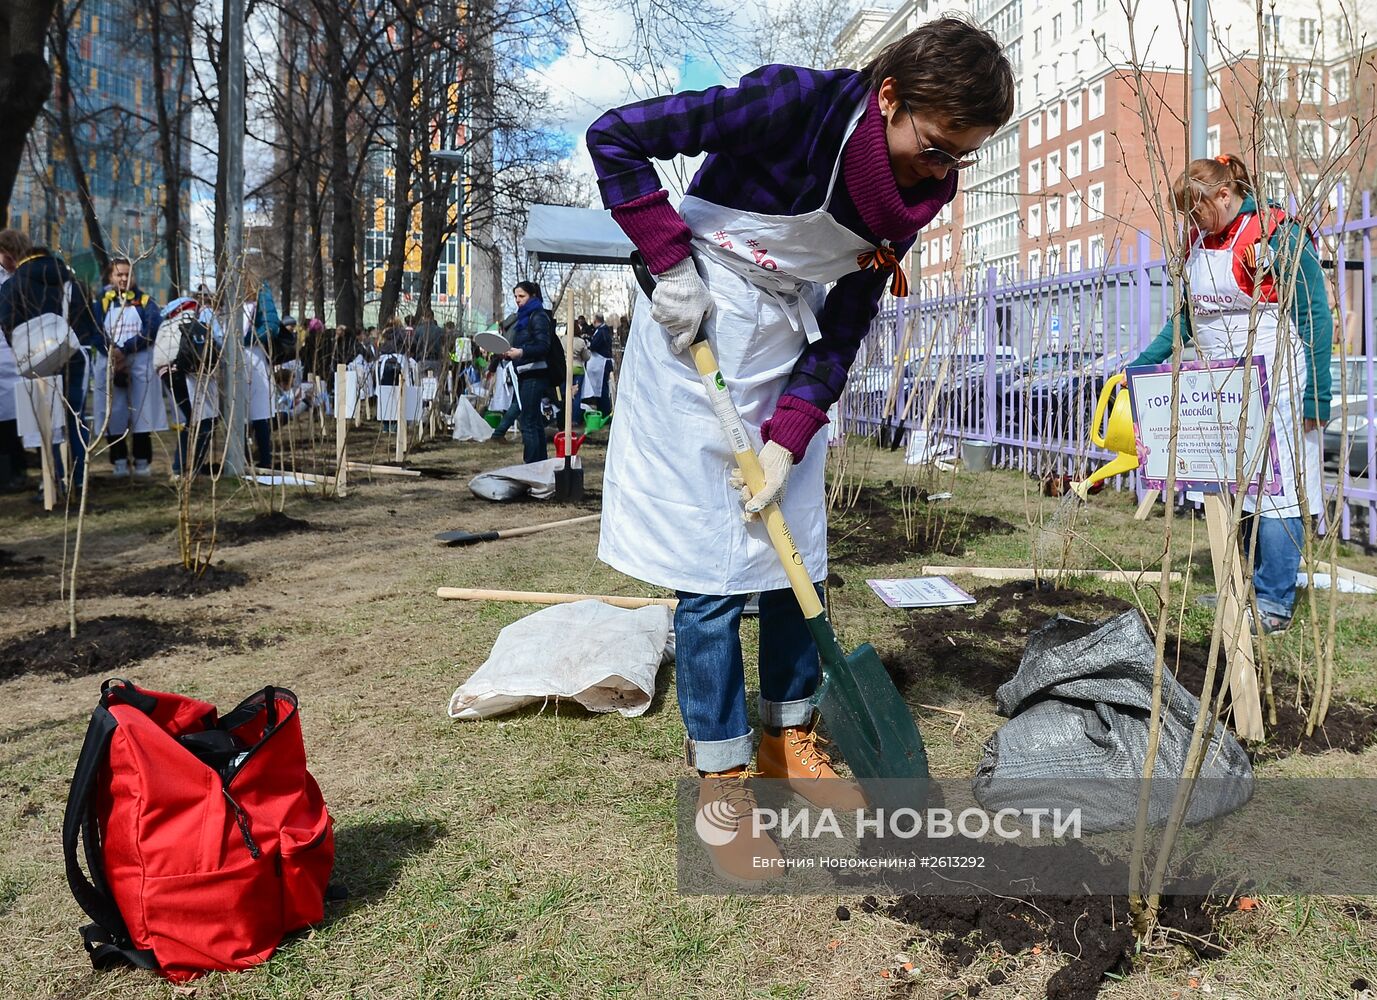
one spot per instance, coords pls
(240, 819)
(242, 822)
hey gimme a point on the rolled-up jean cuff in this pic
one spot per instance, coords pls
(1273, 608)
(786, 713)
(719, 755)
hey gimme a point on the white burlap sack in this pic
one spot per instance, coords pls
(469, 425)
(604, 658)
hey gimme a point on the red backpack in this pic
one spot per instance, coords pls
(206, 838)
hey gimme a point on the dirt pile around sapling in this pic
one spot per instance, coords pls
(1348, 725)
(102, 645)
(15, 566)
(888, 523)
(1094, 932)
(980, 646)
(260, 526)
(175, 580)
(26, 580)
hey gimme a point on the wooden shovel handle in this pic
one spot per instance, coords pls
(743, 451)
(536, 597)
(515, 532)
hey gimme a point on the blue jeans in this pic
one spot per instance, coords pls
(508, 418)
(533, 390)
(78, 434)
(711, 680)
(1278, 557)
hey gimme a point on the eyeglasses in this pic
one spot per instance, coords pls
(940, 158)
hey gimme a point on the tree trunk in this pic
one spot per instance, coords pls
(343, 201)
(403, 108)
(315, 215)
(25, 85)
(67, 128)
(289, 186)
(170, 139)
(221, 170)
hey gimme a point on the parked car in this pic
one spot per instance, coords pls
(1360, 435)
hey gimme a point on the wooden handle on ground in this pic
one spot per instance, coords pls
(515, 532)
(536, 597)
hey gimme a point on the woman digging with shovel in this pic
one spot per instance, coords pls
(812, 177)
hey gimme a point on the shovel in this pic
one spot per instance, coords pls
(865, 714)
(569, 480)
(453, 538)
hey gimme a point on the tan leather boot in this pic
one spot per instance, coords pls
(795, 756)
(723, 824)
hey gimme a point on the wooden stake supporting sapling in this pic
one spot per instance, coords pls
(1236, 638)
(401, 419)
(341, 432)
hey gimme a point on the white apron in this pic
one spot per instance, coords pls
(139, 405)
(9, 378)
(9, 371)
(258, 371)
(204, 390)
(1222, 311)
(670, 517)
(594, 373)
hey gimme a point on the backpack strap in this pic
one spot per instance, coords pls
(107, 939)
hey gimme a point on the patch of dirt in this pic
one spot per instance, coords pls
(102, 645)
(176, 581)
(261, 526)
(876, 528)
(1348, 725)
(13, 565)
(1092, 931)
(981, 646)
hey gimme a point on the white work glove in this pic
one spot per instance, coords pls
(776, 461)
(680, 302)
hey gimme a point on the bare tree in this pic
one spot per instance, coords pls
(25, 83)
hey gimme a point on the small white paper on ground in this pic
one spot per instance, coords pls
(1323, 582)
(286, 480)
(920, 592)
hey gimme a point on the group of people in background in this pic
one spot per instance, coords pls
(526, 383)
(137, 354)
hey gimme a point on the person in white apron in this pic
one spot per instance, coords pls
(127, 393)
(196, 391)
(812, 177)
(13, 249)
(261, 327)
(1239, 274)
(42, 283)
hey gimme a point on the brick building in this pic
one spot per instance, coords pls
(1073, 179)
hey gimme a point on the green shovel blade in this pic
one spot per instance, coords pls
(870, 723)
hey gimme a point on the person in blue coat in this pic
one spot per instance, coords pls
(532, 337)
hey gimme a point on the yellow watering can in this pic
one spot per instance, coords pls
(1117, 436)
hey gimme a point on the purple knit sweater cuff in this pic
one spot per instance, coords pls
(793, 425)
(656, 229)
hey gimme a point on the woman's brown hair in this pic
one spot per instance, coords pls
(950, 69)
(1204, 177)
(14, 243)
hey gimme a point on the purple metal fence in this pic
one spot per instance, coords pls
(941, 367)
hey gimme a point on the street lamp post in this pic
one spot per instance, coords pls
(232, 140)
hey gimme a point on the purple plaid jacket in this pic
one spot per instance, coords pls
(772, 142)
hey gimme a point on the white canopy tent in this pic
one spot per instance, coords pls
(556, 234)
